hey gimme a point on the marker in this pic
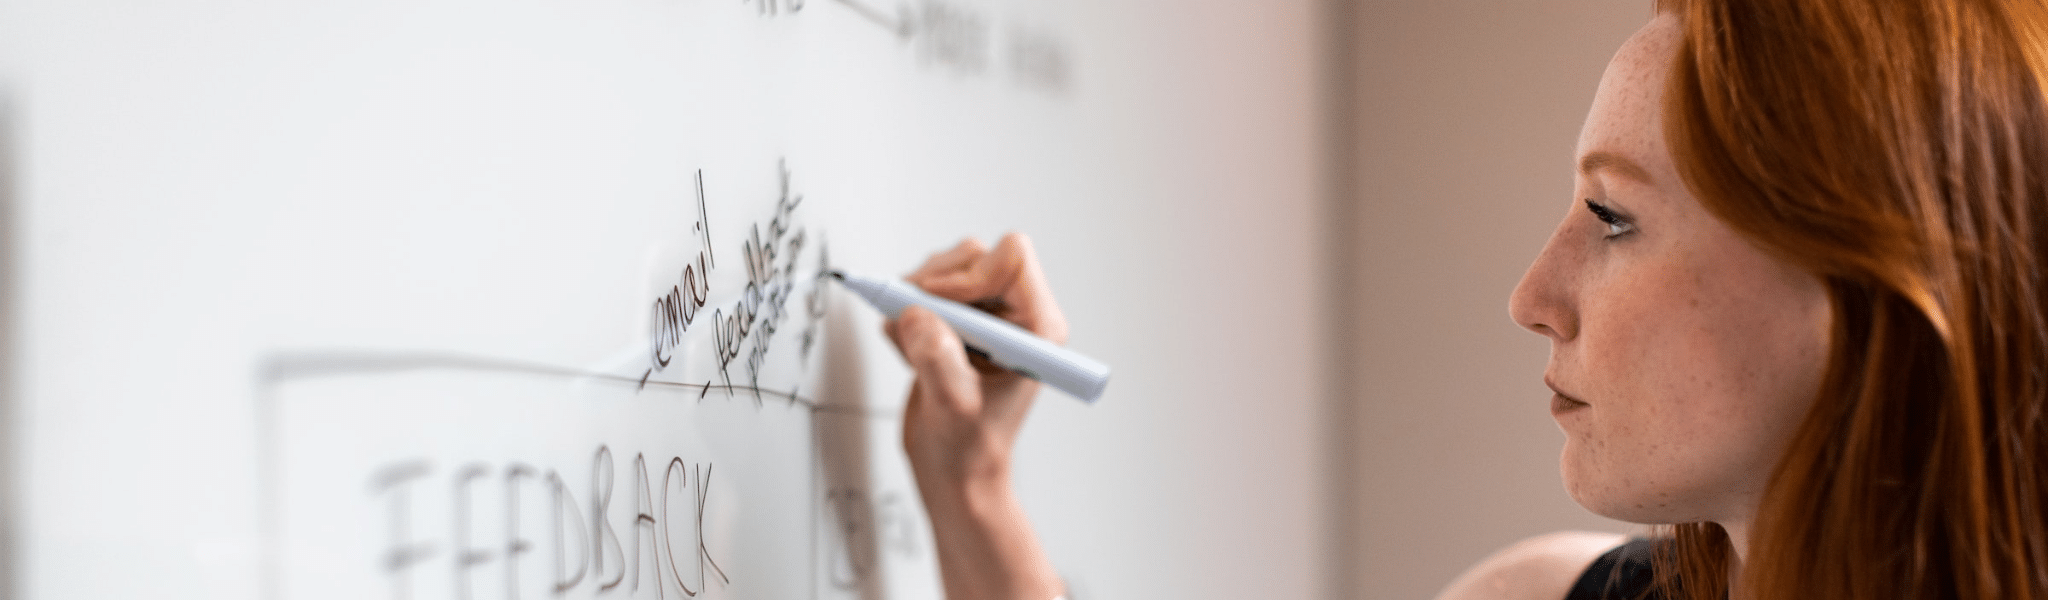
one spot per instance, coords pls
(1001, 342)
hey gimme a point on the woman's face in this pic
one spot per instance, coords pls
(1681, 355)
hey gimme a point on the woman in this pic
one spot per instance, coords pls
(1796, 313)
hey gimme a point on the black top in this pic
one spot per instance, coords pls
(1623, 573)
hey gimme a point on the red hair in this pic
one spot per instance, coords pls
(1898, 150)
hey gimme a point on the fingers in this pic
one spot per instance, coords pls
(889, 328)
(939, 360)
(1029, 296)
(1010, 273)
(985, 275)
(953, 259)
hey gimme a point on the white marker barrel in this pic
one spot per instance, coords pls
(1003, 342)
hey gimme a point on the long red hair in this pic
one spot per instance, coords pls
(1899, 150)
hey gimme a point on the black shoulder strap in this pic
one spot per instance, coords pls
(1624, 573)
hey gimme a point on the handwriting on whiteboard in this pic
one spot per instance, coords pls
(674, 312)
(671, 516)
(958, 39)
(884, 519)
(763, 305)
(747, 327)
(667, 538)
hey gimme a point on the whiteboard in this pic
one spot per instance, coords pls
(519, 299)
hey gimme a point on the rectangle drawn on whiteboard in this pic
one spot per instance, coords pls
(455, 483)
(697, 468)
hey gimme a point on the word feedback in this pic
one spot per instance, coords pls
(669, 556)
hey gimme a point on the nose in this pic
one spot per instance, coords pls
(1542, 301)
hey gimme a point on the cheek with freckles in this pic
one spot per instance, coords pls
(1703, 367)
(1650, 358)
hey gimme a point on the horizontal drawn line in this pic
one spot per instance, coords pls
(901, 29)
(298, 365)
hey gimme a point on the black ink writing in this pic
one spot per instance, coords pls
(668, 529)
(955, 39)
(952, 37)
(601, 534)
(675, 311)
(514, 545)
(770, 8)
(815, 304)
(562, 500)
(701, 477)
(466, 557)
(643, 522)
(748, 329)
(868, 524)
(403, 553)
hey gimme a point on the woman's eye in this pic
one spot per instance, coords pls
(1617, 225)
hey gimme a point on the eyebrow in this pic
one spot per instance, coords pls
(1598, 160)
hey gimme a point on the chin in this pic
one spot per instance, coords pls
(1618, 499)
(1606, 504)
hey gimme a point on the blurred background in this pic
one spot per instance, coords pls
(1462, 115)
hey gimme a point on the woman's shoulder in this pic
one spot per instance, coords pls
(1543, 567)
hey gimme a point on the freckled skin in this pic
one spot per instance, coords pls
(1695, 352)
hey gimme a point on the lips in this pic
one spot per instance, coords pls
(1561, 402)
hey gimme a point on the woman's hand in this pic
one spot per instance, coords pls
(961, 422)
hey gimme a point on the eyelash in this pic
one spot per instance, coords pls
(1617, 225)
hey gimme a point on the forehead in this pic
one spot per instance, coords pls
(1627, 114)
